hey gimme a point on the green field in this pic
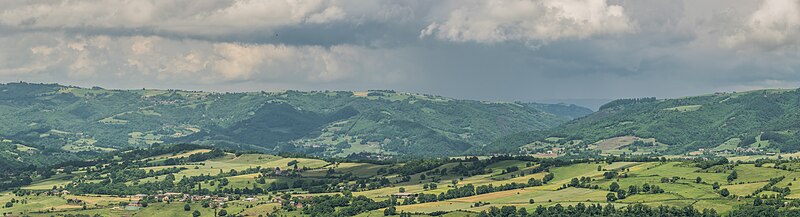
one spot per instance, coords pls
(677, 179)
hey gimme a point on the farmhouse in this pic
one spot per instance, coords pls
(404, 195)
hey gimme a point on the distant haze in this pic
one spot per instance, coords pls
(593, 104)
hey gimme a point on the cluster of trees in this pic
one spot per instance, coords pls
(135, 174)
(596, 210)
(763, 211)
(583, 182)
(621, 102)
(770, 186)
(342, 205)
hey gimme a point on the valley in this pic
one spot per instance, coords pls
(71, 151)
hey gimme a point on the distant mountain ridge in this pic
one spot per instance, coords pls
(52, 118)
(767, 120)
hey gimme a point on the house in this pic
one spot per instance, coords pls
(198, 197)
(250, 199)
(139, 196)
(403, 195)
(220, 199)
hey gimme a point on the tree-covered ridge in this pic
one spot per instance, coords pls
(56, 118)
(762, 119)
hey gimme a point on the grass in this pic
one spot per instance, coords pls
(744, 189)
(37, 204)
(358, 169)
(730, 145)
(47, 184)
(674, 169)
(231, 162)
(184, 154)
(749, 173)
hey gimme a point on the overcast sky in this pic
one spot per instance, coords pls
(473, 49)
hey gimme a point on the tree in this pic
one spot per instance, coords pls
(610, 197)
(187, 207)
(732, 176)
(390, 211)
(223, 212)
(613, 187)
(574, 182)
(621, 194)
(531, 201)
(402, 190)
(698, 180)
(196, 213)
(757, 201)
(724, 192)
(715, 186)
(9, 204)
(522, 212)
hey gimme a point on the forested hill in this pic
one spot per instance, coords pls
(51, 118)
(762, 119)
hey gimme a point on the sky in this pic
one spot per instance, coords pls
(525, 50)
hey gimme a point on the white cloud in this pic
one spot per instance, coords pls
(494, 21)
(156, 59)
(775, 26)
(202, 18)
(328, 15)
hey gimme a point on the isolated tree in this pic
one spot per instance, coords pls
(196, 213)
(222, 213)
(187, 207)
(724, 192)
(613, 187)
(698, 180)
(732, 176)
(402, 190)
(715, 186)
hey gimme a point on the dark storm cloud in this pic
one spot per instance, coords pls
(495, 50)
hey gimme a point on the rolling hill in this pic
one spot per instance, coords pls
(52, 118)
(767, 120)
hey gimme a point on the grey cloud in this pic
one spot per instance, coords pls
(495, 50)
